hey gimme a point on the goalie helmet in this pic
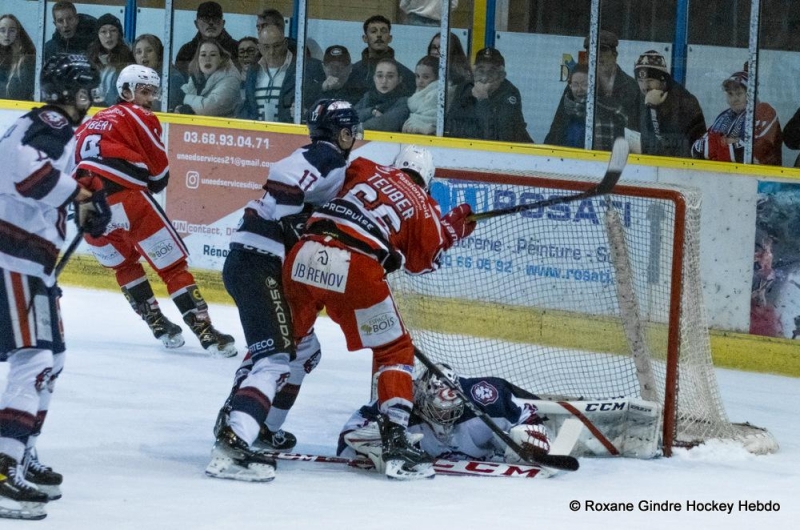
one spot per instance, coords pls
(329, 116)
(416, 159)
(64, 75)
(436, 402)
(134, 75)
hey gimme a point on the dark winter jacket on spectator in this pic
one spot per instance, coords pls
(499, 117)
(84, 35)
(672, 127)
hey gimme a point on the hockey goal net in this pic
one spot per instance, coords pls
(590, 300)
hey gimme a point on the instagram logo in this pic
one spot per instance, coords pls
(192, 180)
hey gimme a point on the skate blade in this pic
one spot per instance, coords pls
(396, 470)
(29, 511)
(225, 467)
(229, 350)
(171, 342)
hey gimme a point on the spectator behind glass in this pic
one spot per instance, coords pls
(339, 82)
(459, 70)
(424, 12)
(671, 119)
(617, 102)
(424, 103)
(213, 87)
(378, 36)
(724, 140)
(74, 32)
(247, 53)
(210, 24)
(109, 54)
(569, 123)
(385, 107)
(791, 134)
(273, 17)
(17, 60)
(490, 108)
(149, 51)
(269, 89)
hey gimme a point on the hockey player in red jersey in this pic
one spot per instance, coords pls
(36, 188)
(382, 221)
(121, 149)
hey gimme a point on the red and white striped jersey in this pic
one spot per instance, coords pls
(382, 212)
(35, 189)
(123, 144)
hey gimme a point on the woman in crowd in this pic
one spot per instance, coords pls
(383, 107)
(149, 51)
(423, 104)
(109, 54)
(17, 60)
(569, 123)
(213, 87)
(459, 69)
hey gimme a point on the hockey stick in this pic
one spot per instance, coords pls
(469, 468)
(563, 462)
(619, 158)
(73, 245)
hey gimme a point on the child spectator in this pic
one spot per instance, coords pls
(423, 104)
(149, 51)
(384, 108)
(214, 81)
(724, 140)
(569, 123)
(17, 60)
(671, 119)
(109, 54)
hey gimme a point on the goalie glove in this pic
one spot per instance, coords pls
(457, 224)
(93, 214)
(532, 438)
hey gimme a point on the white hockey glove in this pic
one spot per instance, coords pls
(531, 438)
(367, 442)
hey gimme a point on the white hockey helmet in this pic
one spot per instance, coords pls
(417, 159)
(134, 75)
(435, 401)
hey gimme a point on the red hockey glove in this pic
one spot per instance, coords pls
(457, 224)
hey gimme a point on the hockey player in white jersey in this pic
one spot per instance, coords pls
(267, 381)
(35, 189)
(445, 428)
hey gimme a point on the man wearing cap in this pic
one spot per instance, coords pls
(671, 119)
(74, 32)
(269, 85)
(378, 36)
(617, 102)
(724, 140)
(490, 107)
(338, 82)
(211, 25)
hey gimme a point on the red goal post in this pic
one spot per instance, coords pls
(594, 299)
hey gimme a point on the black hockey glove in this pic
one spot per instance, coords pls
(93, 214)
(293, 227)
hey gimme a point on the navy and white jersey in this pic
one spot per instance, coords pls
(469, 438)
(310, 176)
(35, 187)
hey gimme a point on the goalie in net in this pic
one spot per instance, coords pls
(445, 428)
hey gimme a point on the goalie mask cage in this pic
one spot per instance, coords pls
(592, 299)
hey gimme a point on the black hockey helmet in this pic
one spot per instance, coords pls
(328, 116)
(64, 74)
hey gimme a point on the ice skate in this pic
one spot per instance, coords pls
(402, 459)
(231, 458)
(42, 476)
(170, 334)
(216, 343)
(279, 440)
(19, 499)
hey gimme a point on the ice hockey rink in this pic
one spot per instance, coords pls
(130, 428)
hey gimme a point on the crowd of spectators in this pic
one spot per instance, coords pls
(254, 78)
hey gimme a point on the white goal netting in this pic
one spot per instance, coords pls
(594, 299)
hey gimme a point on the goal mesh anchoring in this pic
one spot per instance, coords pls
(594, 299)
